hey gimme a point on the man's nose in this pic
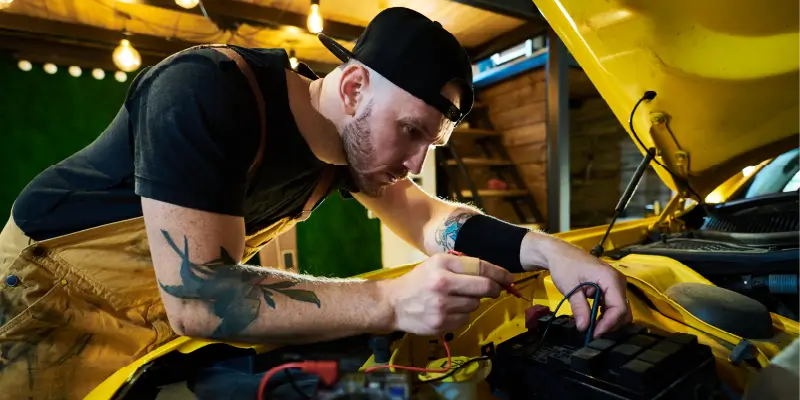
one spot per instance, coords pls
(417, 160)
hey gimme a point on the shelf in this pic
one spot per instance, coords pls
(496, 193)
(475, 132)
(486, 162)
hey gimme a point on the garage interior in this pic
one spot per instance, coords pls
(542, 148)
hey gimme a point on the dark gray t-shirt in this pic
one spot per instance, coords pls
(186, 135)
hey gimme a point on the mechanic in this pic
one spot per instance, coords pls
(140, 236)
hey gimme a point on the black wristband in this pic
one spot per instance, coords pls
(492, 240)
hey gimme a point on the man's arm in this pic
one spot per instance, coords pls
(434, 225)
(207, 293)
(428, 223)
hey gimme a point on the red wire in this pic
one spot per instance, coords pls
(418, 369)
(327, 369)
(272, 373)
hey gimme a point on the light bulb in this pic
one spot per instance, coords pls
(50, 68)
(120, 76)
(5, 4)
(187, 4)
(294, 63)
(25, 65)
(314, 18)
(126, 57)
(75, 71)
(98, 73)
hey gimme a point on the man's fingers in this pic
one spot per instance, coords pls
(463, 304)
(580, 310)
(472, 286)
(616, 311)
(474, 266)
(612, 319)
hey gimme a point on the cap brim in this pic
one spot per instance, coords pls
(337, 49)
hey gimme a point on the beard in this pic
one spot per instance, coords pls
(360, 153)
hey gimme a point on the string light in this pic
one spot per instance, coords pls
(5, 4)
(75, 71)
(314, 18)
(293, 60)
(187, 4)
(120, 76)
(98, 74)
(50, 68)
(126, 57)
(25, 65)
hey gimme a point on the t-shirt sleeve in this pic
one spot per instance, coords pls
(195, 126)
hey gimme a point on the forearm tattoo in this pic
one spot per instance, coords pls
(232, 292)
(447, 233)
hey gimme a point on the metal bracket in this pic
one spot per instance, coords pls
(669, 221)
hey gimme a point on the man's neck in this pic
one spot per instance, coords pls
(319, 133)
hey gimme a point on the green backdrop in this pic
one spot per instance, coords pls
(45, 118)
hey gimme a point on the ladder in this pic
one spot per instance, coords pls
(456, 171)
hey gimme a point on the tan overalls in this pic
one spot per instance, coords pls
(76, 308)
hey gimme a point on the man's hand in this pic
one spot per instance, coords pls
(570, 266)
(437, 296)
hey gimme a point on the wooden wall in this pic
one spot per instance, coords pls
(598, 169)
(517, 108)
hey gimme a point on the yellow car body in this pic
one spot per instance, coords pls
(726, 77)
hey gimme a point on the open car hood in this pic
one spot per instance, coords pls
(725, 73)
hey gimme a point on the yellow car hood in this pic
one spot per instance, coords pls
(725, 73)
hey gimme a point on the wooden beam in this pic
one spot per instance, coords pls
(40, 51)
(522, 9)
(227, 14)
(65, 32)
(508, 39)
(37, 39)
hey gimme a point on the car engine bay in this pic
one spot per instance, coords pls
(749, 246)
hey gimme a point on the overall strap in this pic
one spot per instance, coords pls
(326, 178)
(323, 185)
(262, 109)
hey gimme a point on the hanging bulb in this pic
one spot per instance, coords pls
(75, 71)
(5, 4)
(126, 57)
(25, 65)
(120, 76)
(98, 73)
(293, 60)
(314, 18)
(187, 4)
(50, 68)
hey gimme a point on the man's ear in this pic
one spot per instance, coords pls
(352, 86)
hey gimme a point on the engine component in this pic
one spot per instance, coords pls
(782, 284)
(369, 386)
(725, 309)
(631, 364)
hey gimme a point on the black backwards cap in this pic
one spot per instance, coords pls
(416, 54)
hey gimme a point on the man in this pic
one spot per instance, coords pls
(140, 236)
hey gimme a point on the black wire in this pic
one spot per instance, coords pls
(454, 370)
(592, 319)
(589, 332)
(649, 95)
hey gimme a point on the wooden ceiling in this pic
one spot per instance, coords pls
(82, 32)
